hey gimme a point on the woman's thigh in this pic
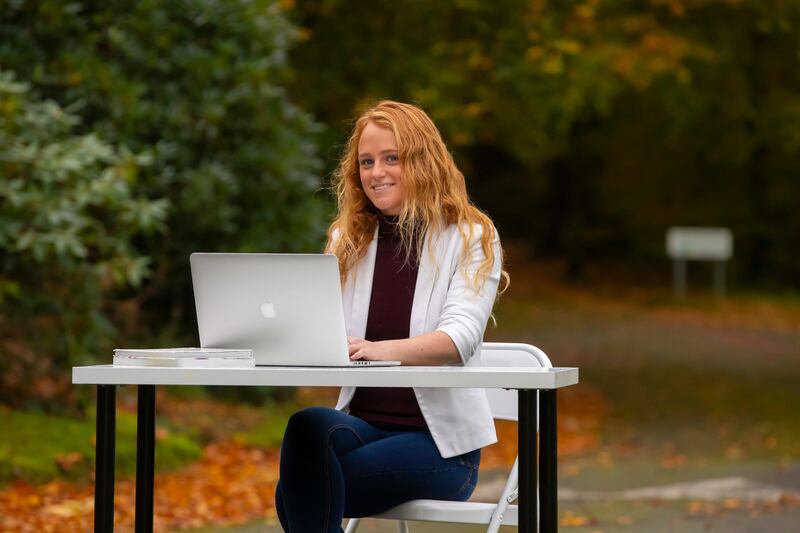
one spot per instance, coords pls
(402, 467)
(316, 427)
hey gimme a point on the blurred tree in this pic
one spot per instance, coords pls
(587, 127)
(68, 214)
(721, 148)
(198, 85)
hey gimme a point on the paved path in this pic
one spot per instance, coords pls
(717, 489)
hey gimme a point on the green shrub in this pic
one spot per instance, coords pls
(231, 162)
(68, 214)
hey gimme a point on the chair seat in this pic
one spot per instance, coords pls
(444, 511)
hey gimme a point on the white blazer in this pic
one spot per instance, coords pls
(459, 419)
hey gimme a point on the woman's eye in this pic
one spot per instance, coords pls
(366, 162)
(392, 158)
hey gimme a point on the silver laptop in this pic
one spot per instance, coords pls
(287, 308)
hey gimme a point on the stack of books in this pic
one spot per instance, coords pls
(185, 357)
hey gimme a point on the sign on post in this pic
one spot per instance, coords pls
(698, 244)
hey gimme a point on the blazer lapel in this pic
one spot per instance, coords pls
(362, 290)
(426, 278)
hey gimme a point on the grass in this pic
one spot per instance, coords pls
(268, 433)
(37, 447)
(703, 412)
(703, 376)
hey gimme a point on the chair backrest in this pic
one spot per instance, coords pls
(504, 406)
(504, 402)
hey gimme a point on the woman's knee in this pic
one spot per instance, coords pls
(309, 422)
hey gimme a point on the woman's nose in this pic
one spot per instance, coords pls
(377, 170)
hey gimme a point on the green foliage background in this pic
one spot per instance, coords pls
(197, 88)
(136, 132)
(68, 218)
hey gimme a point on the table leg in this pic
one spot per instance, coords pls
(104, 458)
(145, 451)
(528, 505)
(548, 461)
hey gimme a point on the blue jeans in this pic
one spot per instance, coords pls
(334, 465)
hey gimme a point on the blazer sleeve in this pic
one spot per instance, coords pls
(465, 311)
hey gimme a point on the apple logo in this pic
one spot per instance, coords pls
(268, 310)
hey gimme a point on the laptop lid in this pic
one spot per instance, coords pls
(286, 307)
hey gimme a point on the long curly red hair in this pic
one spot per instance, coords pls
(435, 191)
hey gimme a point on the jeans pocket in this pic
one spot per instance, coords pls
(467, 463)
(470, 459)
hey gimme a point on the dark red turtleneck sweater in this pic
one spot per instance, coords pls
(389, 317)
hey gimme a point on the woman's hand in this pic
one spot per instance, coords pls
(368, 350)
(431, 349)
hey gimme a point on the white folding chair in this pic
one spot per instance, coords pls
(504, 406)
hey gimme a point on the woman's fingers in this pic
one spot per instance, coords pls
(359, 352)
(361, 349)
(354, 345)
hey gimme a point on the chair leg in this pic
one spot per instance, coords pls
(402, 526)
(352, 524)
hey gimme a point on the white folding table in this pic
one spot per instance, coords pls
(537, 394)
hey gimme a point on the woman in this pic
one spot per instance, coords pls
(420, 270)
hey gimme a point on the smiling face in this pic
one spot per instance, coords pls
(380, 169)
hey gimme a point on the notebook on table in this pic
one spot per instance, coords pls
(184, 357)
(287, 308)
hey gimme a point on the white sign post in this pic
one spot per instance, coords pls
(698, 244)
